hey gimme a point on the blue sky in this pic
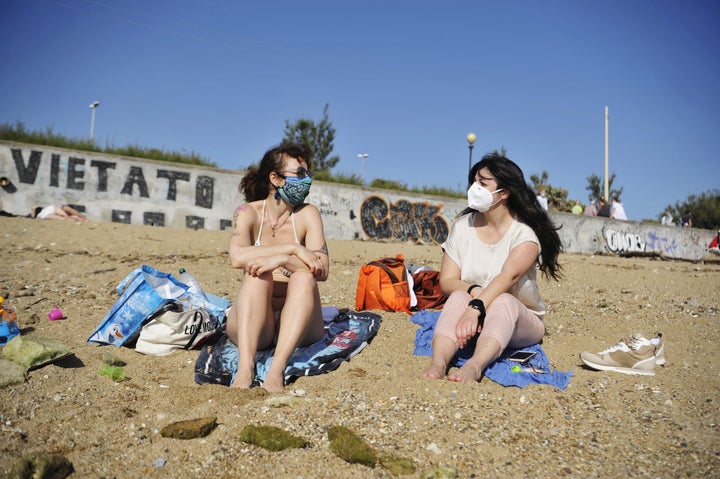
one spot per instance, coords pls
(406, 81)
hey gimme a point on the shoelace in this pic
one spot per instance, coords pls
(619, 346)
(636, 343)
(633, 343)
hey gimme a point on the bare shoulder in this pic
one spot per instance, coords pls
(307, 212)
(254, 209)
(307, 208)
(310, 227)
(247, 214)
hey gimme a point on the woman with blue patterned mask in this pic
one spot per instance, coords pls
(278, 240)
(296, 187)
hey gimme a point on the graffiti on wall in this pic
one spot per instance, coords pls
(662, 240)
(134, 183)
(623, 241)
(331, 205)
(662, 243)
(27, 173)
(403, 221)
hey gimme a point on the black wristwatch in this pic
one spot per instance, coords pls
(480, 306)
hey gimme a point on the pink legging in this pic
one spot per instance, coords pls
(508, 321)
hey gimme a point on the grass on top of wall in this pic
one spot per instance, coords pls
(48, 137)
(19, 133)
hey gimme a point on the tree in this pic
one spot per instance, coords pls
(557, 197)
(597, 189)
(318, 136)
(502, 152)
(705, 209)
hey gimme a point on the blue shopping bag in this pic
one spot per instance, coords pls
(142, 292)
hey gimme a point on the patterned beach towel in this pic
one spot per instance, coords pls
(499, 370)
(346, 334)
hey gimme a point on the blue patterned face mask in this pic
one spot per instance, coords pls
(294, 191)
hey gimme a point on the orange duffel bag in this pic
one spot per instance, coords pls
(383, 284)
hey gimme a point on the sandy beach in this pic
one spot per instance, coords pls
(603, 425)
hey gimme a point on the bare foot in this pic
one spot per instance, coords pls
(435, 371)
(273, 383)
(469, 372)
(244, 378)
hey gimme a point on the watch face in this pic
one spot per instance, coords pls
(476, 304)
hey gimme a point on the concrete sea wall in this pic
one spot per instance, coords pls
(136, 191)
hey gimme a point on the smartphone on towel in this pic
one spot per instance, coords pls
(522, 357)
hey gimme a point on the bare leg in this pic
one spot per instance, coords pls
(486, 351)
(301, 323)
(62, 211)
(73, 214)
(251, 325)
(443, 350)
(508, 322)
(53, 216)
(444, 344)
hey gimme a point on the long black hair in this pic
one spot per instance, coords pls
(255, 185)
(523, 203)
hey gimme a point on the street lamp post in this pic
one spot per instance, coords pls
(93, 107)
(471, 137)
(606, 181)
(362, 157)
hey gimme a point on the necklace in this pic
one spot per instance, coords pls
(278, 224)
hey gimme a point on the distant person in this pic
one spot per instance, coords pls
(686, 219)
(591, 209)
(53, 212)
(542, 199)
(617, 210)
(714, 246)
(667, 219)
(577, 209)
(603, 209)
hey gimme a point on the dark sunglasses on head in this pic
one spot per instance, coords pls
(300, 173)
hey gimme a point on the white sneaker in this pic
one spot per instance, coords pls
(636, 356)
(656, 341)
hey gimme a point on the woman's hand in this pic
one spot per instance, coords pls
(263, 264)
(312, 260)
(467, 327)
(321, 270)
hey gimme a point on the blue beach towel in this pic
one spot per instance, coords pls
(500, 369)
(346, 334)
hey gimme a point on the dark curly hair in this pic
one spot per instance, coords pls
(255, 185)
(523, 203)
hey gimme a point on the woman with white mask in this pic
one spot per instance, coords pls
(489, 270)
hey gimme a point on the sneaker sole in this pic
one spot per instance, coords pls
(619, 369)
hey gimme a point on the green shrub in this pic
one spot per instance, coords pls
(19, 133)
